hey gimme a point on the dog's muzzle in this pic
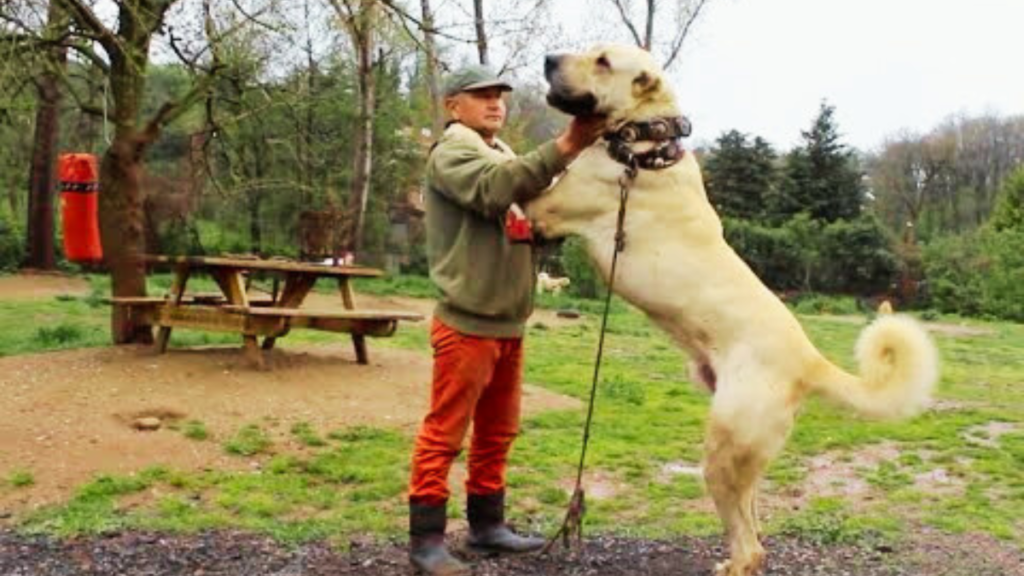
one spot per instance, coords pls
(562, 96)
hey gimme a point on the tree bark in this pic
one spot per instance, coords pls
(649, 30)
(436, 115)
(363, 162)
(121, 213)
(39, 247)
(481, 32)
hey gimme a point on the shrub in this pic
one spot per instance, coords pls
(59, 335)
(978, 273)
(856, 257)
(576, 264)
(849, 256)
(772, 253)
(1009, 210)
(11, 242)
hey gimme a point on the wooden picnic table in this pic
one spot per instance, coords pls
(270, 317)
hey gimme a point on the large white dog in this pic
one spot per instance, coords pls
(744, 344)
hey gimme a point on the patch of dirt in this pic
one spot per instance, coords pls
(599, 485)
(41, 286)
(933, 552)
(68, 415)
(673, 469)
(232, 553)
(842, 474)
(988, 435)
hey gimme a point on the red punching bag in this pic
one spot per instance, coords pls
(79, 200)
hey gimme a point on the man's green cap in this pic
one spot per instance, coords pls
(473, 78)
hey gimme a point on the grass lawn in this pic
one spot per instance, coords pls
(958, 468)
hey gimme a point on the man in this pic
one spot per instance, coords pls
(486, 284)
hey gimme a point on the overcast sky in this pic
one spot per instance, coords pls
(763, 66)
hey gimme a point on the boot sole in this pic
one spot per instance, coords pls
(492, 552)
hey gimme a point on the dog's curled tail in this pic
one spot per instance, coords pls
(899, 367)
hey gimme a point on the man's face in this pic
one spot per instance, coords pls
(482, 110)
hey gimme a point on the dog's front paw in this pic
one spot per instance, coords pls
(729, 568)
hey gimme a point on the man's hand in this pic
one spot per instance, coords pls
(580, 134)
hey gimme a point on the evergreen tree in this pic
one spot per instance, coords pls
(822, 177)
(740, 175)
(1009, 210)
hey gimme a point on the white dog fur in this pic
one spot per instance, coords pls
(743, 342)
(548, 283)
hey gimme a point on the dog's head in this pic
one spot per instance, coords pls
(619, 81)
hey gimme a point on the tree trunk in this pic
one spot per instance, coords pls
(39, 248)
(256, 196)
(481, 32)
(436, 115)
(121, 214)
(649, 30)
(363, 163)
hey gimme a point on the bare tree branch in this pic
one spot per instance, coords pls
(677, 42)
(392, 7)
(85, 50)
(629, 23)
(652, 6)
(86, 18)
(254, 18)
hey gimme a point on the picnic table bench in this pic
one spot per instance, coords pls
(270, 316)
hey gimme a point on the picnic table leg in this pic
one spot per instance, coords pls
(181, 273)
(252, 351)
(296, 288)
(233, 286)
(349, 300)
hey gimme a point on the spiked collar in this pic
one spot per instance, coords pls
(667, 134)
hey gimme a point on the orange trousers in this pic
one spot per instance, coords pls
(476, 380)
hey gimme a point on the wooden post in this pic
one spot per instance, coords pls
(296, 287)
(181, 274)
(349, 301)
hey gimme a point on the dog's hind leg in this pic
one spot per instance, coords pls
(738, 449)
(730, 471)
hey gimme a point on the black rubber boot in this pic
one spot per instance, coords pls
(427, 551)
(488, 532)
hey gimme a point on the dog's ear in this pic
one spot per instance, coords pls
(645, 84)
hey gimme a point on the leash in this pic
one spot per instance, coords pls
(571, 530)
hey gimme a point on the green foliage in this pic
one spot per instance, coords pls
(21, 479)
(740, 176)
(576, 265)
(978, 273)
(59, 335)
(11, 241)
(856, 257)
(628, 391)
(195, 430)
(813, 303)
(1009, 211)
(822, 177)
(304, 432)
(844, 256)
(248, 441)
(771, 252)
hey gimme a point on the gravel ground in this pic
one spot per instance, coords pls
(235, 553)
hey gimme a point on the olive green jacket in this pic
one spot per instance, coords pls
(486, 283)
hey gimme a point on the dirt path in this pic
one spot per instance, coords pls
(41, 286)
(69, 415)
